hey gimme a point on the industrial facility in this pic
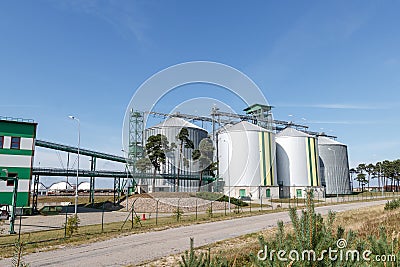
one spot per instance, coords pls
(255, 157)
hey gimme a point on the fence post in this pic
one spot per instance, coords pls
(272, 204)
(157, 211)
(102, 218)
(225, 207)
(250, 205)
(66, 219)
(132, 220)
(196, 209)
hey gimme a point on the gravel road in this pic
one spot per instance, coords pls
(137, 248)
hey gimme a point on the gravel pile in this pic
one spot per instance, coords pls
(170, 204)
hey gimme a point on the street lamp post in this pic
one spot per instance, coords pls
(335, 166)
(77, 170)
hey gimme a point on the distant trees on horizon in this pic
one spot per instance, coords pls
(387, 172)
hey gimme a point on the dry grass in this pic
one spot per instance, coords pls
(366, 221)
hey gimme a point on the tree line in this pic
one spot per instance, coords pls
(387, 172)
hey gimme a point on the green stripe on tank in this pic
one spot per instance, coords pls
(310, 161)
(316, 162)
(271, 164)
(263, 158)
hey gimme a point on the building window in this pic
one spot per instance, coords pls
(15, 142)
(1, 142)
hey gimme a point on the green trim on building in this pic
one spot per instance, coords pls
(22, 198)
(12, 128)
(20, 152)
(23, 173)
(15, 134)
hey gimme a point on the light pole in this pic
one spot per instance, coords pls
(335, 166)
(77, 170)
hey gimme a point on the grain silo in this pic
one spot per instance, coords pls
(171, 128)
(297, 162)
(334, 166)
(247, 160)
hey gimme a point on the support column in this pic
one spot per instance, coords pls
(35, 195)
(92, 180)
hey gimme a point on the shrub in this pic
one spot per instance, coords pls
(72, 225)
(178, 214)
(393, 204)
(220, 197)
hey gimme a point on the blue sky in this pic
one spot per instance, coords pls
(334, 63)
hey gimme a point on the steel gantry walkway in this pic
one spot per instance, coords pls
(93, 173)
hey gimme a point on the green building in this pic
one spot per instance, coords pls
(17, 146)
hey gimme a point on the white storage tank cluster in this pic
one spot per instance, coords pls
(256, 162)
(334, 166)
(297, 162)
(171, 128)
(247, 160)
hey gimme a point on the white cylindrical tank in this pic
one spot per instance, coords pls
(246, 156)
(297, 159)
(171, 128)
(334, 166)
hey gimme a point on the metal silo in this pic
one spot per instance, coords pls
(297, 162)
(247, 160)
(171, 128)
(334, 166)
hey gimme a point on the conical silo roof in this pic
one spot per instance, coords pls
(177, 122)
(290, 132)
(323, 140)
(243, 126)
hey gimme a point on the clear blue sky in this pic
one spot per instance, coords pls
(334, 63)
